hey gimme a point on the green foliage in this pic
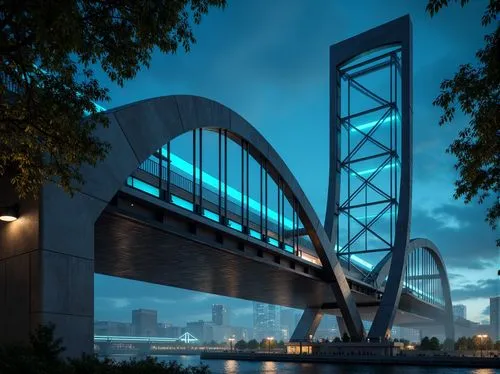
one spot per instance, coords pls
(337, 340)
(241, 344)
(431, 344)
(43, 357)
(268, 343)
(49, 51)
(475, 90)
(253, 344)
(346, 338)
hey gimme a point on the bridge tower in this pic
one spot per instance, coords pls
(369, 197)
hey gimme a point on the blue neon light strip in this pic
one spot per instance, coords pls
(273, 241)
(356, 259)
(421, 293)
(288, 248)
(182, 203)
(210, 215)
(235, 225)
(373, 123)
(255, 234)
(103, 338)
(143, 186)
(369, 171)
(233, 193)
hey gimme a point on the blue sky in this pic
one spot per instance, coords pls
(268, 61)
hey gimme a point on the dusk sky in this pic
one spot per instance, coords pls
(269, 62)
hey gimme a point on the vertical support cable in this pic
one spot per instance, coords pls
(168, 171)
(160, 174)
(242, 183)
(194, 169)
(260, 200)
(283, 211)
(220, 175)
(201, 170)
(225, 177)
(266, 206)
(279, 212)
(248, 187)
(293, 223)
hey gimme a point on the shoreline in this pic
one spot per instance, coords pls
(446, 361)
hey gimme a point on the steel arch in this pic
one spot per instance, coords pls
(149, 124)
(382, 270)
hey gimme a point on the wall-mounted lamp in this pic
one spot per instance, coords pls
(9, 213)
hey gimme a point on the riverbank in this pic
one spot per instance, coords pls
(438, 361)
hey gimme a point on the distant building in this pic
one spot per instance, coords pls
(266, 321)
(220, 315)
(459, 311)
(111, 328)
(495, 318)
(201, 330)
(327, 328)
(145, 322)
(288, 323)
(168, 331)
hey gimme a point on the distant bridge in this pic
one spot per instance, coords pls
(184, 338)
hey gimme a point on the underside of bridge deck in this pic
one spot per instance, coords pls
(132, 249)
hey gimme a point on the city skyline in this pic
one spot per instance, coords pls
(455, 227)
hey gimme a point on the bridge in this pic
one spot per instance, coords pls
(191, 195)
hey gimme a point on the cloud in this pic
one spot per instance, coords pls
(113, 302)
(465, 242)
(483, 288)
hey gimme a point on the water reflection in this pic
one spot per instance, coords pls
(231, 367)
(483, 371)
(269, 367)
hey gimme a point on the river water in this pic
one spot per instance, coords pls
(268, 367)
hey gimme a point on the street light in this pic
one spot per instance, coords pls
(269, 339)
(481, 337)
(9, 213)
(231, 340)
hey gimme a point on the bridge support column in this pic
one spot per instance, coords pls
(308, 325)
(342, 326)
(47, 270)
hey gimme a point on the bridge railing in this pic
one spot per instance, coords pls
(181, 191)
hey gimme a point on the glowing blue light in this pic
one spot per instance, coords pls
(369, 171)
(143, 186)
(255, 234)
(369, 125)
(210, 215)
(182, 203)
(235, 225)
(233, 193)
(273, 241)
(358, 260)
(288, 248)
(422, 293)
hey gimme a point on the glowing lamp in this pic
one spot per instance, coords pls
(9, 213)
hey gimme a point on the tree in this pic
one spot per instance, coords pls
(253, 344)
(476, 91)
(337, 340)
(461, 344)
(47, 83)
(434, 344)
(346, 338)
(425, 344)
(240, 344)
